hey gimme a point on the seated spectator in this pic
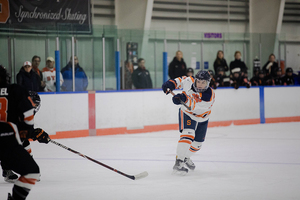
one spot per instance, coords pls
(221, 79)
(236, 78)
(177, 67)
(237, 63)
(81, 80)
(189, 72)
(212, 82)
(141, 76)
(278, 79)
(28, 78)
(288, 78)
(220, 62)
(259, 80)
(270, 67)
(49, 74)
(36, 60)
(245, 81)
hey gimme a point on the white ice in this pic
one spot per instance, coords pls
(258, 162)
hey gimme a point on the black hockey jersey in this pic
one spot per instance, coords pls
(16, 106)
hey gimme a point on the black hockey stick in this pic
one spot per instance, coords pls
(133, 177)
(188, 107)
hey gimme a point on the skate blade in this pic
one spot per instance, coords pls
(180, 173)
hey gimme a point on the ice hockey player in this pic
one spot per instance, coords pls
(193, 123)
(16, 122)
(9, 175)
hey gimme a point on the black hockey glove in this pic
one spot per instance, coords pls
(170, 84)
(40, 135)
(176, 99)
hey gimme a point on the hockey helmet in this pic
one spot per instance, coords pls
(4, 76)
(36, 100)
(202, 75)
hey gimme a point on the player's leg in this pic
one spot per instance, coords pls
(15, 157)
(187, 129)
(200, 134)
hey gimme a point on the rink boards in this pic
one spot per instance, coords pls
(67, 115)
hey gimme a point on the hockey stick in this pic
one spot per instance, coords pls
(188, 107)
(133, 177)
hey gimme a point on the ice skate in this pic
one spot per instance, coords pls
(189, 163)
(179, 168)
(9, 176)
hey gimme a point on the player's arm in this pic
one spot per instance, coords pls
(173, 84)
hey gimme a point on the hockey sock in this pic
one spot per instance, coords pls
(23, 185)
(20, 193)
(184, 143)
(196, 146)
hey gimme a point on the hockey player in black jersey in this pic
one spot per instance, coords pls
(16, 122)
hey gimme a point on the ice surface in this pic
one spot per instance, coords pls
(235, 162)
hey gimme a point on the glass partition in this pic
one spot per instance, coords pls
(199, 51)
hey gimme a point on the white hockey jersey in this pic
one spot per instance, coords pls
(200, 103)
(49, 77)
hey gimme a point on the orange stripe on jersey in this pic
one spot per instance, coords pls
(29, 151)
(212, 94)
(185, 141)
(192, 79)
(181, 115)
(180, 80)
(188, 136)
(29, 118)
(27, 180)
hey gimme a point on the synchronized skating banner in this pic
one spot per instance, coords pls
(46, 15)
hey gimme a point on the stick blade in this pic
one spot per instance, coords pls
(141, 175)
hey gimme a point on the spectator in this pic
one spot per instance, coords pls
(237, 63)
(212, 82)
(259, 80)
(236, 78)
(49, 74)
(36, 60)
(189, 72)
(220, 62)
(81, 80)
(141, 77)
(221, 79)
(270, 67)
(177, 67)
(278, 79)
(288, 78)
(128, 74)
(28, 78)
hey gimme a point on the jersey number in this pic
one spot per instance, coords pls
(3, 109)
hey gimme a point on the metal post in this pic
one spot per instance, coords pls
(223, 48)
(14, 59)
(202, 62)
(73, 63)
(260, 52)
(103, 62)
(279, 54)
(165, 62)
(285, 61)
(123, 47)
(179, 45)
(117, 66)
(47, 47)
(57, 65)
(155, 66)
(93, 64)
(244, 53)
(9, 55)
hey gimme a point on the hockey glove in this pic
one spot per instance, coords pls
(176, 99)
(170, 84)
(40, 135)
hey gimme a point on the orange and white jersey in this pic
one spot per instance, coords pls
(49, 77)
(200, 103)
